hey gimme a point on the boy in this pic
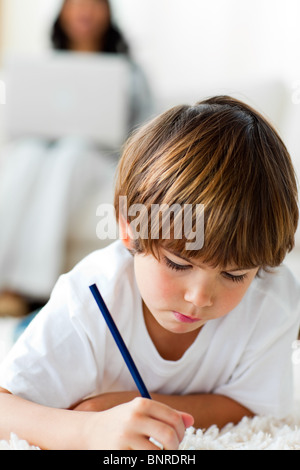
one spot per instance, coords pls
(205, 314)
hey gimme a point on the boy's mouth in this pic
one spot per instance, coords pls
(184, 318)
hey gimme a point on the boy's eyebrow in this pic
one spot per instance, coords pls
(179, 255)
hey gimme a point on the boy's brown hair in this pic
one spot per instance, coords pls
(223, 154)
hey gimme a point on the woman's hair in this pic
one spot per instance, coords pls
(223, 154)
(112, 42)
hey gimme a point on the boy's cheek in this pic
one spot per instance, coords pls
(159, 285)
(232, 299)
(165, 282)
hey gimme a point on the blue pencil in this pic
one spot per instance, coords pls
(120, 342)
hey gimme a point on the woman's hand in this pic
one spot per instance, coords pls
(130, 425)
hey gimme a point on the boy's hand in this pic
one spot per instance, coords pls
(130, 425)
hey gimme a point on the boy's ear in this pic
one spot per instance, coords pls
(125, 233)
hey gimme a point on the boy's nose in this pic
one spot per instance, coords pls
(199, 295)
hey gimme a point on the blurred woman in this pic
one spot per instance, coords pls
(63, 174)
(86, 26)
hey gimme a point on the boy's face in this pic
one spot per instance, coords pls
(182, 295)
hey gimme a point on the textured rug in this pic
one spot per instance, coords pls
(258, 433)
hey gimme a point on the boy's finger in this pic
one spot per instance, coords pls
(156, 443)
(160, 434)
(188, 419)
(164, 414)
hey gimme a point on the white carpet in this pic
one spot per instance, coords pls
(258, 433)
(16, 444)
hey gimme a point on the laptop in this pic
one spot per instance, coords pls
(68, 94)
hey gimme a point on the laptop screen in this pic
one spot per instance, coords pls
(63, 94)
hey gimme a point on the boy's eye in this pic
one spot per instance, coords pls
(175, 266)
(184, 267)
(238, 278)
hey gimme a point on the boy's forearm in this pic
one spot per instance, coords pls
(207, 409)
(47, 428)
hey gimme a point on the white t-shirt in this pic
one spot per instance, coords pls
(68, 353)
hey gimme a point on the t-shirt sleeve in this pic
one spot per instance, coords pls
(263, 378)
(52, 363)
